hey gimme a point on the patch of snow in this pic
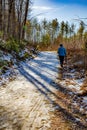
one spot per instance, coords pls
(79, 81)
(7, 57)
(77, 119)
(72, 71)
(85, 99)
(75, 103)
(81, 109)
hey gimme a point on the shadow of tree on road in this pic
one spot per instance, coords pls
(45, 90)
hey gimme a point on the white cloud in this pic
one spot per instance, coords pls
(43, 8)
(46, 9)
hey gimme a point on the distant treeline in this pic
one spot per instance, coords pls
(17, 26)
(54, 32)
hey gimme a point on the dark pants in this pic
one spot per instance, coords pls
(61, 58)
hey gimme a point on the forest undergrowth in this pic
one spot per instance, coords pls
(76, 62)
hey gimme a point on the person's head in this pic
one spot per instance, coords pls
(61, 45)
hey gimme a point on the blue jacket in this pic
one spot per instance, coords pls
(61, 51)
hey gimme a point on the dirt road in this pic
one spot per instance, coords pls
(30, 102)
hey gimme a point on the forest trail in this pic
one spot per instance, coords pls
(35, 100)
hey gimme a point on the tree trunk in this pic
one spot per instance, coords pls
(25, 17)
(11, 18)
(0, 15)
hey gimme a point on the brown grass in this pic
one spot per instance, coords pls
(84, 87)
(78, 60)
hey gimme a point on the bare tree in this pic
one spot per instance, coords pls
(0, 15)
(22, 7)
(25, 16)
(13, 17)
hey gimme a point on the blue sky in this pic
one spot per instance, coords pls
(66, 10)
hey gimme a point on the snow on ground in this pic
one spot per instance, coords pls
(33, 76)
(45, 64)
(85, 100)
(42, 68)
